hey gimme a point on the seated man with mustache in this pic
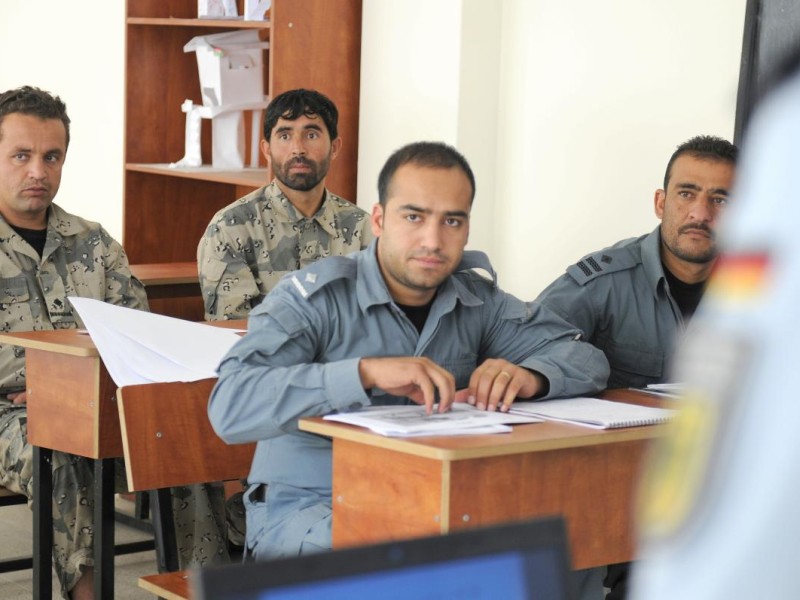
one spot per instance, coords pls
(633, 299)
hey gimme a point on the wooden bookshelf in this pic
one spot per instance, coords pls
(314, 44)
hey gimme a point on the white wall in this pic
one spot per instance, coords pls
(50, 44)
(592, 97)
(409, 86)
(430, 71)
(568, 111)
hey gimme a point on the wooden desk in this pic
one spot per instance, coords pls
(72, 408)
(172, 288)
(169, 280)
(393, 488)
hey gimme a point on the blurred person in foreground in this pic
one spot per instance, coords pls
(720, 502)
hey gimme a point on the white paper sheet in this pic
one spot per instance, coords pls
(411, 420)
(141, 347)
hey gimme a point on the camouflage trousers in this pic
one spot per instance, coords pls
(205, 522)
(73, 480)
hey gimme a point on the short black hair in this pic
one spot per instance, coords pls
(293, 104)
(32, 101)
(437, 155)
(704, 147)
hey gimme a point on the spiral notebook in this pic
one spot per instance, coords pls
(594, 412)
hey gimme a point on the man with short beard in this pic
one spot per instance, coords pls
(288, 224)
(413, 319)
(632, 299)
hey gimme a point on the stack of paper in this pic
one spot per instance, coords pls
(405, 421)
(141, 347)
(670, 390)
(593, 412)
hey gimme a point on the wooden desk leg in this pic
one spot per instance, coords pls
(42, 523)
(104, 528)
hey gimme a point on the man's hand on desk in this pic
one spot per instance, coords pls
(496, 383)
(414, 377)
(493, 385)
(18, 397)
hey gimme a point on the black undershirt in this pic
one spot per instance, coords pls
(35, 237)
(416, 314)
(687, 295)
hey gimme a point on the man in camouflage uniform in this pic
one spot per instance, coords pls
(248, 246)
(46, 255)
(288, 224)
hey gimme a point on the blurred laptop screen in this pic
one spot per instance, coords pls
(523, 561)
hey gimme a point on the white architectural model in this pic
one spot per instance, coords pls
(231, 81)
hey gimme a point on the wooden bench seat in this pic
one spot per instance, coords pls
(170, 586)
(168, 441)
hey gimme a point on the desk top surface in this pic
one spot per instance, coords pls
(533, 437)
(64, 341)
(166, 273)
(77, 342)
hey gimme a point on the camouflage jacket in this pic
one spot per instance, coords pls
(250, 244)
(80, 258)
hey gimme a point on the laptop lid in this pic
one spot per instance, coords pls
(527, 560)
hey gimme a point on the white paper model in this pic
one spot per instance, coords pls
(216, 9)
(254, 9)
(230, 67)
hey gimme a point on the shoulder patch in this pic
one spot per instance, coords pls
(316, 276)
(610, 260)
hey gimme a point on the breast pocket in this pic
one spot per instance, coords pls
(15, 308)
(634, 366)
(226, 286)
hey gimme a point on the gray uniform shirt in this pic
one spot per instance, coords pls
(620, 299)
(301, 353)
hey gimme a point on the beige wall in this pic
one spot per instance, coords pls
(567, 111)
(42, 44)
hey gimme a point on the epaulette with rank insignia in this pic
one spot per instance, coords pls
(610, 260)
(315, 277)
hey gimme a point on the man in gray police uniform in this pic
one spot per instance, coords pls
(248, 246)
(406, 320)
(718, 518)
(632, 300)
